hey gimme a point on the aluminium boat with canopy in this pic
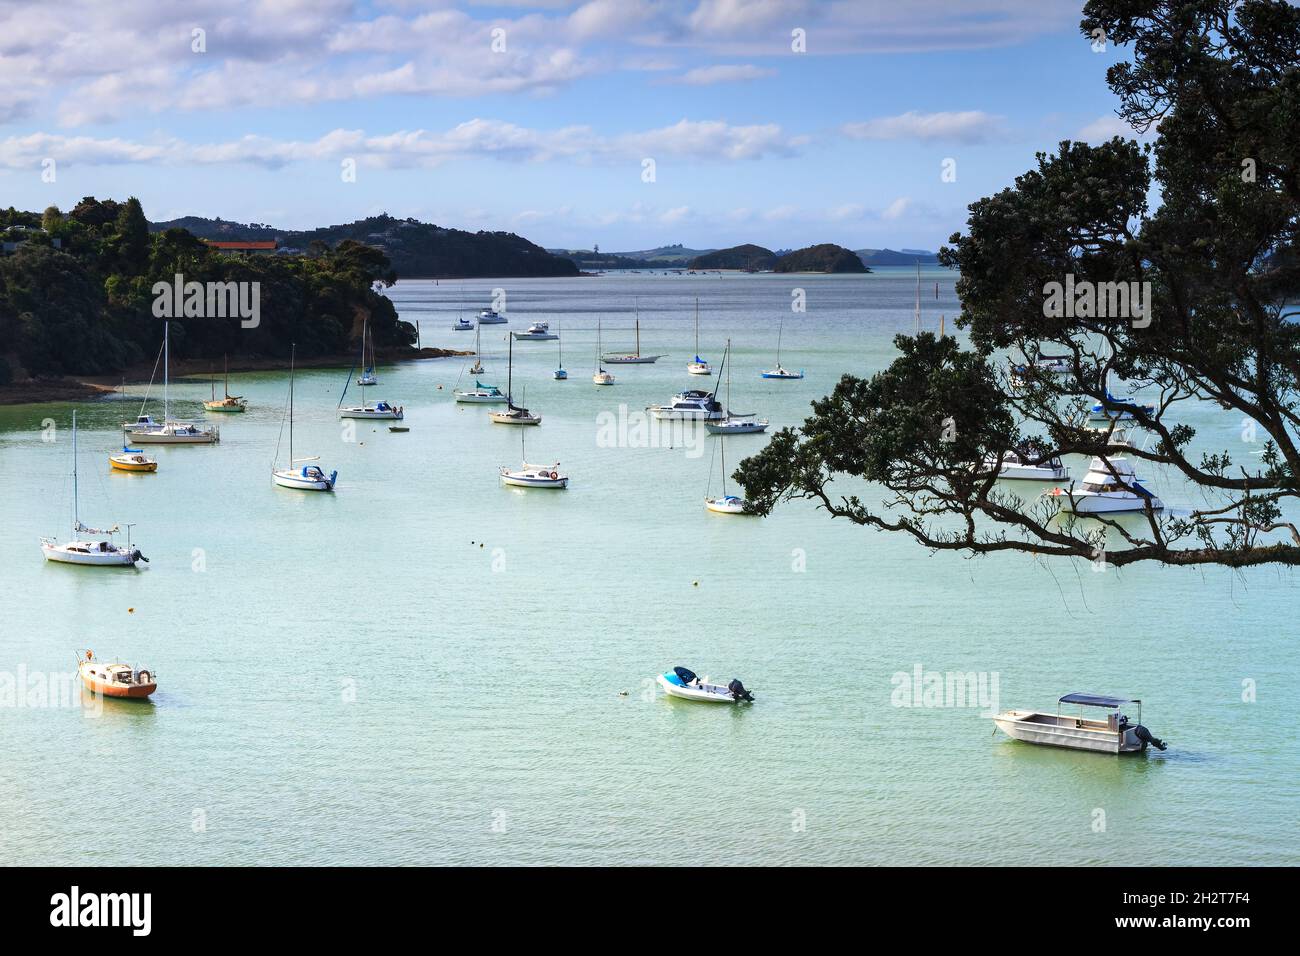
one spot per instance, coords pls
(1116, 734)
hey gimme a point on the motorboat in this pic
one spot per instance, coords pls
(1117, 734)
(690, 405)
(463, 325)
(491, 317)
(681, 682)
(229, 404)
(1119, 409)
(746, 423)
(480, 394)
(1029, 462)
(144, 430)
(115, 679)
(1110, 486)
(301, 474)
(132, 459)
(98, 551)
(537, 332)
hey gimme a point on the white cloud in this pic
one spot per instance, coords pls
(969, 126)
(1104, 128)
(722, 73)
(896, 209)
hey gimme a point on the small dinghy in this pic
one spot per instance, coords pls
(680, 682)
(398, 428)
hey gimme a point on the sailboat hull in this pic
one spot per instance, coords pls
(132, 463)
(296, 481)
(505, 418)
(726, 505)
(371, 413)
(116, 557)
(222, 407)
(479, 398)
(630, 359)
(173, 438)
(731, 427)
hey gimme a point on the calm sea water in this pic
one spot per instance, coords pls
(427, 667)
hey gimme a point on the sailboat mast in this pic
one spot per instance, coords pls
(636, 304)
(779, 329)
(293, 354)
(510, 374)
(918, 297)
(697, 326)
(167, 361)
(76, 504)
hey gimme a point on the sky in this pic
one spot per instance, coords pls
(627, 124)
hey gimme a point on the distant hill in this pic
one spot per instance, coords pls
(589, 261)
(747, 256)
(826, 257)
(416, 249)
(891, 257)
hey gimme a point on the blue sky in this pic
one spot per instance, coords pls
(539, 117)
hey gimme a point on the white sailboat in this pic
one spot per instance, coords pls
(477, 367)
(560, 375)
(513, 414)
(381, 410)
(533, 476)
(724, 503)
(308, 477)
(699, 366)
(635, 358)
(735, 424)
(600, 376)
(145, 430)
(100, 551)
(780, 371)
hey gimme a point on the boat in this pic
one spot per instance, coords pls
(99, 551)
(600, 376)
(231, 403)
(300, 474)
(463, 325)
(1028, 462)
(480, 394)
(538, 332)
(490, 317)
(132, 459)
(1114, 735)
(115, 679)
(724, 504)
(381, 410)
(781, 371)
(680, 682)
(533, 476)
(735, 424)
(1118, 409)
(144, 430)
(398, 428)
(1109, 487)
(477, 367)
(635, 358)
(699, 366)
(513, 414)
(690, 405)
(560, 375)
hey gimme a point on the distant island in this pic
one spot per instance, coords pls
(416, 250)
(890, 257)
(747, 256)
(826, 257)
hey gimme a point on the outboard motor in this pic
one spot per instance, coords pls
(1145, 736)
(738, 692)
(137, 556)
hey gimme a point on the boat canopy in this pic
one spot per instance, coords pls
(1096, 700)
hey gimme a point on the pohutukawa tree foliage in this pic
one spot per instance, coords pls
(1218, 82)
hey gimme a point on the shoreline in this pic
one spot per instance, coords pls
(74, 388)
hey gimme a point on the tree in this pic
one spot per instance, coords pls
(51, 219)
(1219, 80)
(132, 237)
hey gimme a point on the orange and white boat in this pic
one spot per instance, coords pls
(132, 459)
(115, 679)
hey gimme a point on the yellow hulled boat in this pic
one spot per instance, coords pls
(132, 459)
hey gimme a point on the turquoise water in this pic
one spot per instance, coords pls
(427, 667)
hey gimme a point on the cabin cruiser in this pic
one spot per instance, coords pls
(490, 317)
(680, 682)
(1110, 486)
(480, 394)
(691, 405)
(1114, 735)
(1027, 463)
(538, 331)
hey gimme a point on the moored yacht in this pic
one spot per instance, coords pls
(480, 394)
(144, 430)
(735, 423)
(301, 474)
(115, 679)
(538, 331)
(1109, 487)
(491, 317)
(382, 410)
(1029, 462)
(694, 404)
